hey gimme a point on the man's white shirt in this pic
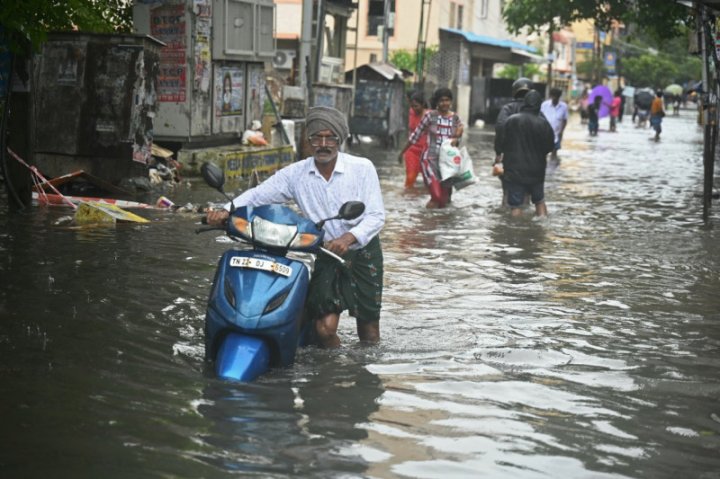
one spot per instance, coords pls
(353, 179)
(555, 115)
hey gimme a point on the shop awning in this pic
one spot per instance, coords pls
(526, 56)
(491, 41)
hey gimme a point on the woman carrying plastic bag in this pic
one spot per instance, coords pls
(439, 124)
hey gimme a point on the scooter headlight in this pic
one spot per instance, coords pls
(272, 234)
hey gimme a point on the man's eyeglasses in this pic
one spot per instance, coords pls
(317, 140)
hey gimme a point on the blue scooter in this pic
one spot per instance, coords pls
(254, 318)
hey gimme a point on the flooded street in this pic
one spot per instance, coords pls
(585, 345)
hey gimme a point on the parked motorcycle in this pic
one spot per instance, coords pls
(254, 318)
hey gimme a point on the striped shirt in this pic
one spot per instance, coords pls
(354, 179)
(438, 128)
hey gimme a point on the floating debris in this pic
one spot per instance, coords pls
(93, 212)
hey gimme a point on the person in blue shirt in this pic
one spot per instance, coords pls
(319, 185)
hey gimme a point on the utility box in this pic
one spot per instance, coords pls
(94, 103)
(212, 70)
(243, 30)
(380, 107)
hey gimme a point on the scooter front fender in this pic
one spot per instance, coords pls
(242, 358)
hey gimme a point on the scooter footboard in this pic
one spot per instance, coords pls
(242, 358)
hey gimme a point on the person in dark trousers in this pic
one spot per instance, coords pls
(594, 116)
(520, 87)
(524, 142)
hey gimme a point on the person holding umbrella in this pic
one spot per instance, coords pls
(643, 100)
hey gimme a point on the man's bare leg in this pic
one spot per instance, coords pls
(326, 328)
(541, 209)
(368, 331)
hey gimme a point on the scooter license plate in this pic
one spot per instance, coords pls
(261, 264)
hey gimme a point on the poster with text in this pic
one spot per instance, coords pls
(167, 24)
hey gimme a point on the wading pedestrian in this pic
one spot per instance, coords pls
(319, 185)
(437, 125)
(657, 112)
(556, 113)
(524, 141)
(413, 154)
(615, 106)
(520, 87)
(594, 116)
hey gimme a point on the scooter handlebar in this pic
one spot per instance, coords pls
(330, 253)
(205, 229)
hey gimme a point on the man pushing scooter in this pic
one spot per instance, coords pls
(319, 185)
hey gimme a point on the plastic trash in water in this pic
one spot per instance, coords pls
(164, 202)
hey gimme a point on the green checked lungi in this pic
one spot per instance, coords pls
(355, 287)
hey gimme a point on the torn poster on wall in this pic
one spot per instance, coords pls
(167, 24)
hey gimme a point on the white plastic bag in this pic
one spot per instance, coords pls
(450, 161)
(466, 177)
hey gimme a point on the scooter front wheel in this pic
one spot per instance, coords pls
(242, 358)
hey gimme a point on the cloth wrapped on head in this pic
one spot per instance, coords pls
(326, 118)
(532, 101)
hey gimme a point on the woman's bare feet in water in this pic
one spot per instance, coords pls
(431, 205)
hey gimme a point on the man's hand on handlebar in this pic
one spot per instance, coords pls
(217, 217)
(341, 245)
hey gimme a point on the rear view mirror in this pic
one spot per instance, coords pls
(351, 210)
(348, 211)
(213, 176)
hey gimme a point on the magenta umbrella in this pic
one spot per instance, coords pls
(607, 96)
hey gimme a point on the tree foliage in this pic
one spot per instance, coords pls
(29, 21)
(529, 70)
(407, 60)
(645, 62)
(659, 71)
(664, 19)
(591, 69)
(403, 59)
(649, 71)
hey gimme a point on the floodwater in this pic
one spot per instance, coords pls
(586, 345)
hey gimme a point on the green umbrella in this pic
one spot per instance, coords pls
(674, 89)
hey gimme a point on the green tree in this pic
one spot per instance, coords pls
(590, 69)
(29, 21)
(654, 71)
(645, 60)
(403, 59)
(529, 70)
(407, 60)
(663, 19)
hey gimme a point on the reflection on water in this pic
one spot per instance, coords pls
(293, 422)
(582, 345)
